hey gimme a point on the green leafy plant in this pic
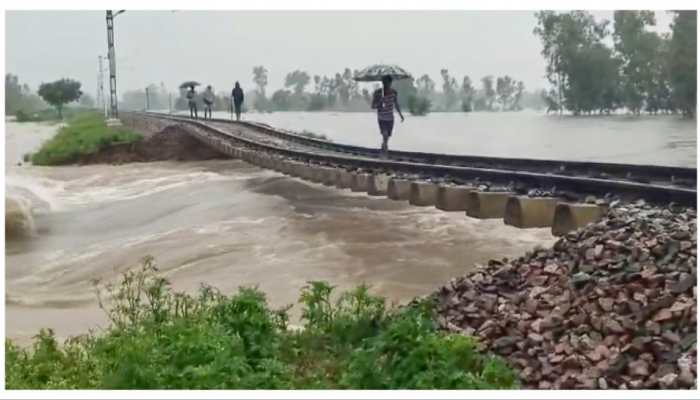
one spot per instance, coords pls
(86, 133)
(60, 92)
(161, 339)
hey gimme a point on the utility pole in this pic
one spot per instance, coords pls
(112, 64)
(101, 87)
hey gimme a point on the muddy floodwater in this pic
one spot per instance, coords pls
(230, 224)
(658, 140)
(224, 223)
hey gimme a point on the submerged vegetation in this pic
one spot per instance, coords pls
(642, 71)
(86, 133)
(158, 338)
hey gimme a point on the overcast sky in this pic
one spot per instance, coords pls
(220, 47)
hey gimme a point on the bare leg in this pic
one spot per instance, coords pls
(385, 144)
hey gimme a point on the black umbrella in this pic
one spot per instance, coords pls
(187, 84)
(376, 72)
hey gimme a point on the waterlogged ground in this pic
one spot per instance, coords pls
(660, 140)
(223, 223)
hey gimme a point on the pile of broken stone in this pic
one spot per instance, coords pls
(611, 305)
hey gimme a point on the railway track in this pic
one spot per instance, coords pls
(570, 180)
(678, 176)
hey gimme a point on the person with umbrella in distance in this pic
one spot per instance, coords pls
(208, 98)
(384, 99)
(237, 100)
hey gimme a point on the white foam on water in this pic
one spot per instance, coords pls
(84, 194)
(44, 194)
(224, 226)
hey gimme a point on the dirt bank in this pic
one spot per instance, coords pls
(172, 143)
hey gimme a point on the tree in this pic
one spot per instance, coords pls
(260, 79)
(637, 49)
(19, 97)
(281, 99)
(551, 100)
(343, 89)
(418, 105)
(519, 91)
(60, 92)
(580, 66)
(366, 96)
(406, 90)
(489, 94)
(659, 94)
(297, 80)
(505, 89)
(468, 94)
(425, 86)
(683, 61)
(13, 94)
(353, 89)
(449, 89)
(593, 80)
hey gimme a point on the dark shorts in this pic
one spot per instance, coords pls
(386, 126)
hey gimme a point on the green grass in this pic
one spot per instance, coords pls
(86, 133)
(48, 114)
(160, 339)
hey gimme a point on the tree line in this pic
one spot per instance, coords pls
(643, 71)
(340, 92)
(26, 105)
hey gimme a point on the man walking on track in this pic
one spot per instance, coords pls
(191, 102)
(208, 101)
(237, 100)
(384, 101)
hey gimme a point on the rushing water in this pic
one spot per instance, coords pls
(229, 224)
(659, 140)
(224, 223)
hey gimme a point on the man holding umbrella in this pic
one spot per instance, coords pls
(385, 99)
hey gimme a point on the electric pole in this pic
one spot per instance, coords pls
(112, 64)
(101, 87)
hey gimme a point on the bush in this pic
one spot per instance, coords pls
(86, 133)
(418, 105)
(161, 339)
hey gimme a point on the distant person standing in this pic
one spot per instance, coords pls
(237, 100)
(208, 101)
(191, 102)
(384, 101)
